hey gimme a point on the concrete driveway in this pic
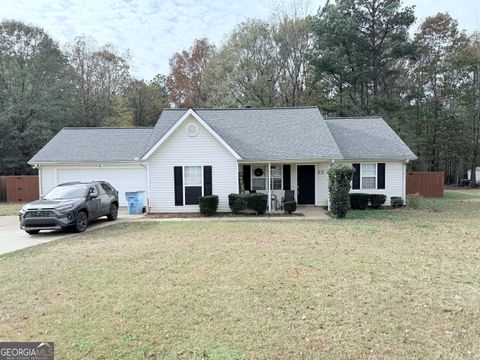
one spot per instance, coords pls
(12, 238)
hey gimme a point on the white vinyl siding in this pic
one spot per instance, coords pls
(321, 181)
(394, 181)
(48, 179)
(183, 150)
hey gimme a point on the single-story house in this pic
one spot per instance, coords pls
(194, 152)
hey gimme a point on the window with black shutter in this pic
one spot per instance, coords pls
(207, 180)
(381, 176)
(246, 177)
(192, 182)
(178, 184)
(286, 177)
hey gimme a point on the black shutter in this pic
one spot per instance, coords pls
(356, 177)
(381, 176)
(207, 180)
(246, 177)
(286, 177)
(178, 182)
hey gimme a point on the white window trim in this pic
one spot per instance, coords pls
(183, 182)
(361, 176)
(277, 177)
(264, 177)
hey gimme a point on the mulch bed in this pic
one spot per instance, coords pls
(221, 214)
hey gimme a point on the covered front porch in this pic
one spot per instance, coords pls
(307, 180)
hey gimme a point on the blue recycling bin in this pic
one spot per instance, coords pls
(135, 201)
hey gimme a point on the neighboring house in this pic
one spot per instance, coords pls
(477, 174)
(194, 152)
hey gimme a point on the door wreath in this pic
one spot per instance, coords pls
(258, 172)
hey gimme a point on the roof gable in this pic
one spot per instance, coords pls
(180, 121)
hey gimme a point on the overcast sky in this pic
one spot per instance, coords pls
(154, 30)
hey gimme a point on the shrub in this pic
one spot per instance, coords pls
(359, 201)
(396, 201)
(240, 202)
(237, 202)
(208, 204)
(377, 200)
(414, 201)
(257, 202)
(290, 206)
(339, 178)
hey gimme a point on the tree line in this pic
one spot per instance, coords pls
(352, 58)
(44, 88)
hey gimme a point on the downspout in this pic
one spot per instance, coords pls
(404, 180)
(269, 189)
(148, 185)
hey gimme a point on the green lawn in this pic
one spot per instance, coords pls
(379, 284)
(9, 208)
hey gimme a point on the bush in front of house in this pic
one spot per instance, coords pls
(377, 200)
(339, 178)
(359, 201)
(257, 202)
(396, 201)
(290, 206)
(414, 201)
(208, 204)
(241, 202)
(237, 202)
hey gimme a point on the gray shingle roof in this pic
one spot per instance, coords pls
(94, 145)
(264, 134)
(255, 134)
(368, 138)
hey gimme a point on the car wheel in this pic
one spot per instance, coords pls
(113, 214)
(32, 232)
(81, 222)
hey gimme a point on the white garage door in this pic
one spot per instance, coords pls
(122, 179)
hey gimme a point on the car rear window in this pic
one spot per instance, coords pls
(106, 188)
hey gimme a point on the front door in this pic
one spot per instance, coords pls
(306, 184)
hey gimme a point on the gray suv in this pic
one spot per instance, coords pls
(70, 205)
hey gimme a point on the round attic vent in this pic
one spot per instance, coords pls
(191, 129)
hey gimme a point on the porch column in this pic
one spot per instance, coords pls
(269, 189)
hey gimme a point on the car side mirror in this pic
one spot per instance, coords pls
(92, 196)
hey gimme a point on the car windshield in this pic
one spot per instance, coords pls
(67, 192)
